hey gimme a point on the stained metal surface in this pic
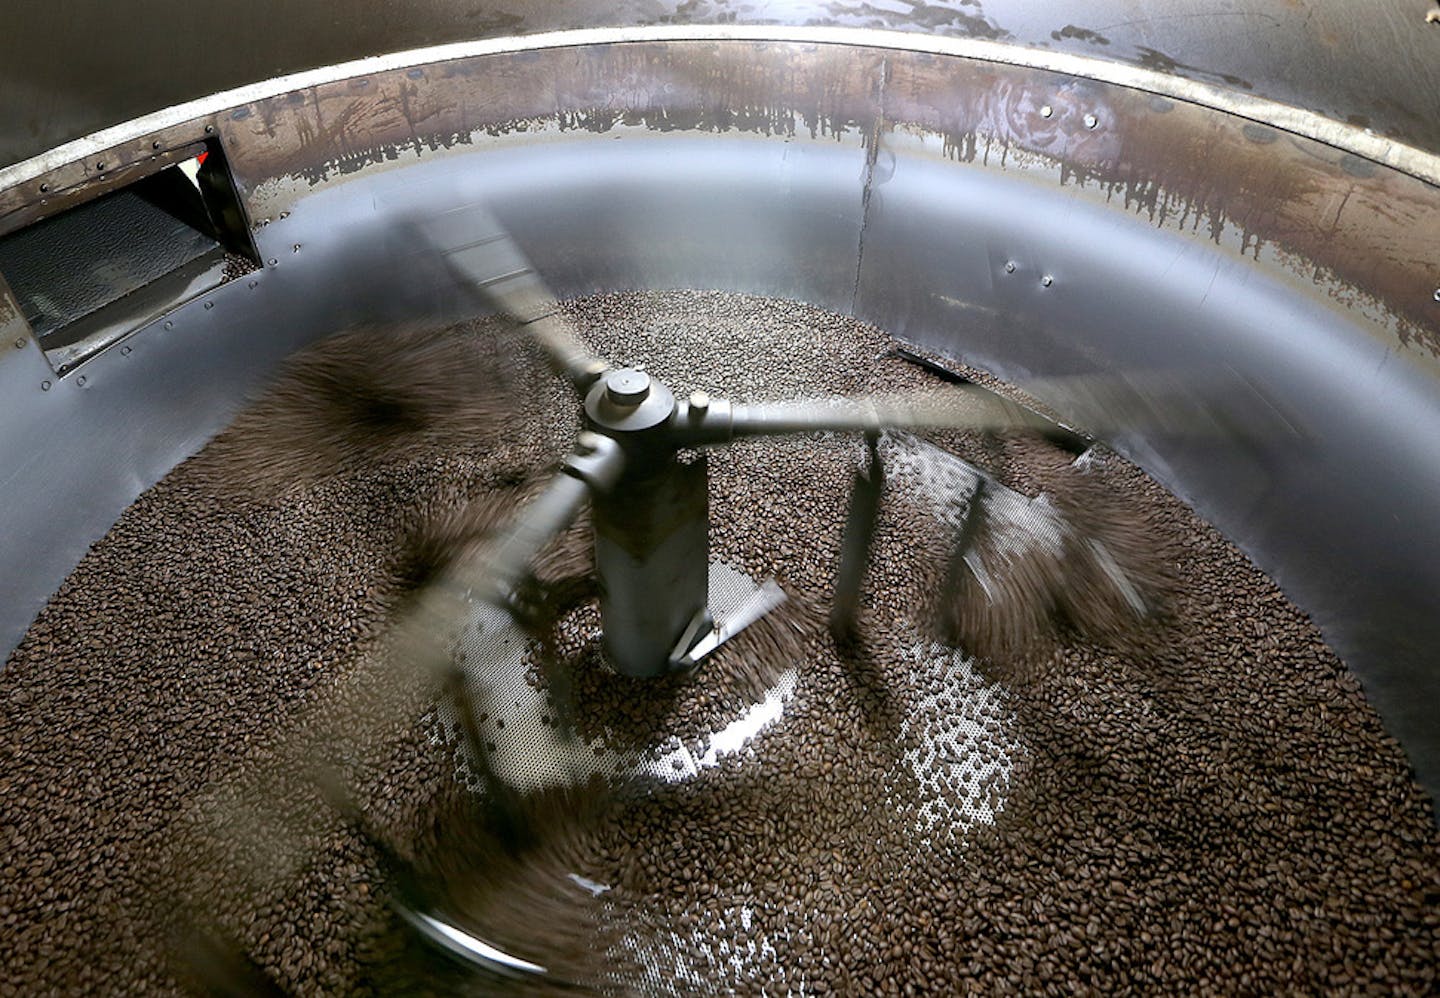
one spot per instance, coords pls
(1376, 65)
(933, 196)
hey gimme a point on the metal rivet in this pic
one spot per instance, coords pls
(80, 381)
(20, 343)
(124, 351)
(44, 188)
(44, 386)
(1046, 111)
(209, 304)
(1047, 280)
(273, 261)
(254, 284)
(100, 166)
(1436, 295)
(209, 129)
(169, 325)
(155, 144)
(1091, 121)
(1010, 267)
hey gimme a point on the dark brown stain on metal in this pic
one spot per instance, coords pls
(1079, 34)
(1162, 63)
(793, 89)
(1243, 186)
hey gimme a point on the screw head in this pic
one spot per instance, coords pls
(209, 304)
(1091, 121)
(124, 351)
(44, 188)
(1047, 280)
(20, 343)
(44, 386)
(80, 381)
(627, 386)
(1436, 295)
(1010, 267)
(1046, 111)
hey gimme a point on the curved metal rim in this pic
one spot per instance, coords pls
(1360, 142)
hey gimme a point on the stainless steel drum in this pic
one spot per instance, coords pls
(1047, 202)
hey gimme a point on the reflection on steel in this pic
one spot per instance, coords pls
(1369, 64)
(1358, 140)
(467, 947)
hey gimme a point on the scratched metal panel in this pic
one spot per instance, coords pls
(71, 68)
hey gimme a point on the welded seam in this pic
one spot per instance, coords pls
(1285, 117)
(872, 154)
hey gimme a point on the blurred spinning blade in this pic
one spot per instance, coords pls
(484, 257)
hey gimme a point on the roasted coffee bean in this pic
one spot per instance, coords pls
(1199, 800)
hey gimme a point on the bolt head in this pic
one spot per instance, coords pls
(627, 386)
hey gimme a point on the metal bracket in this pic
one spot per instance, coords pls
(703, 637)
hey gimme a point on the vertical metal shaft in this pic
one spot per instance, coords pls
(652, 553)
(855, 545)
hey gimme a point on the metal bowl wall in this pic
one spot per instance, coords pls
(1029, 221)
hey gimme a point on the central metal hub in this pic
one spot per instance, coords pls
(627, 387)
(626, 402)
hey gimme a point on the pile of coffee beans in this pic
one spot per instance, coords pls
(1208, 806)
